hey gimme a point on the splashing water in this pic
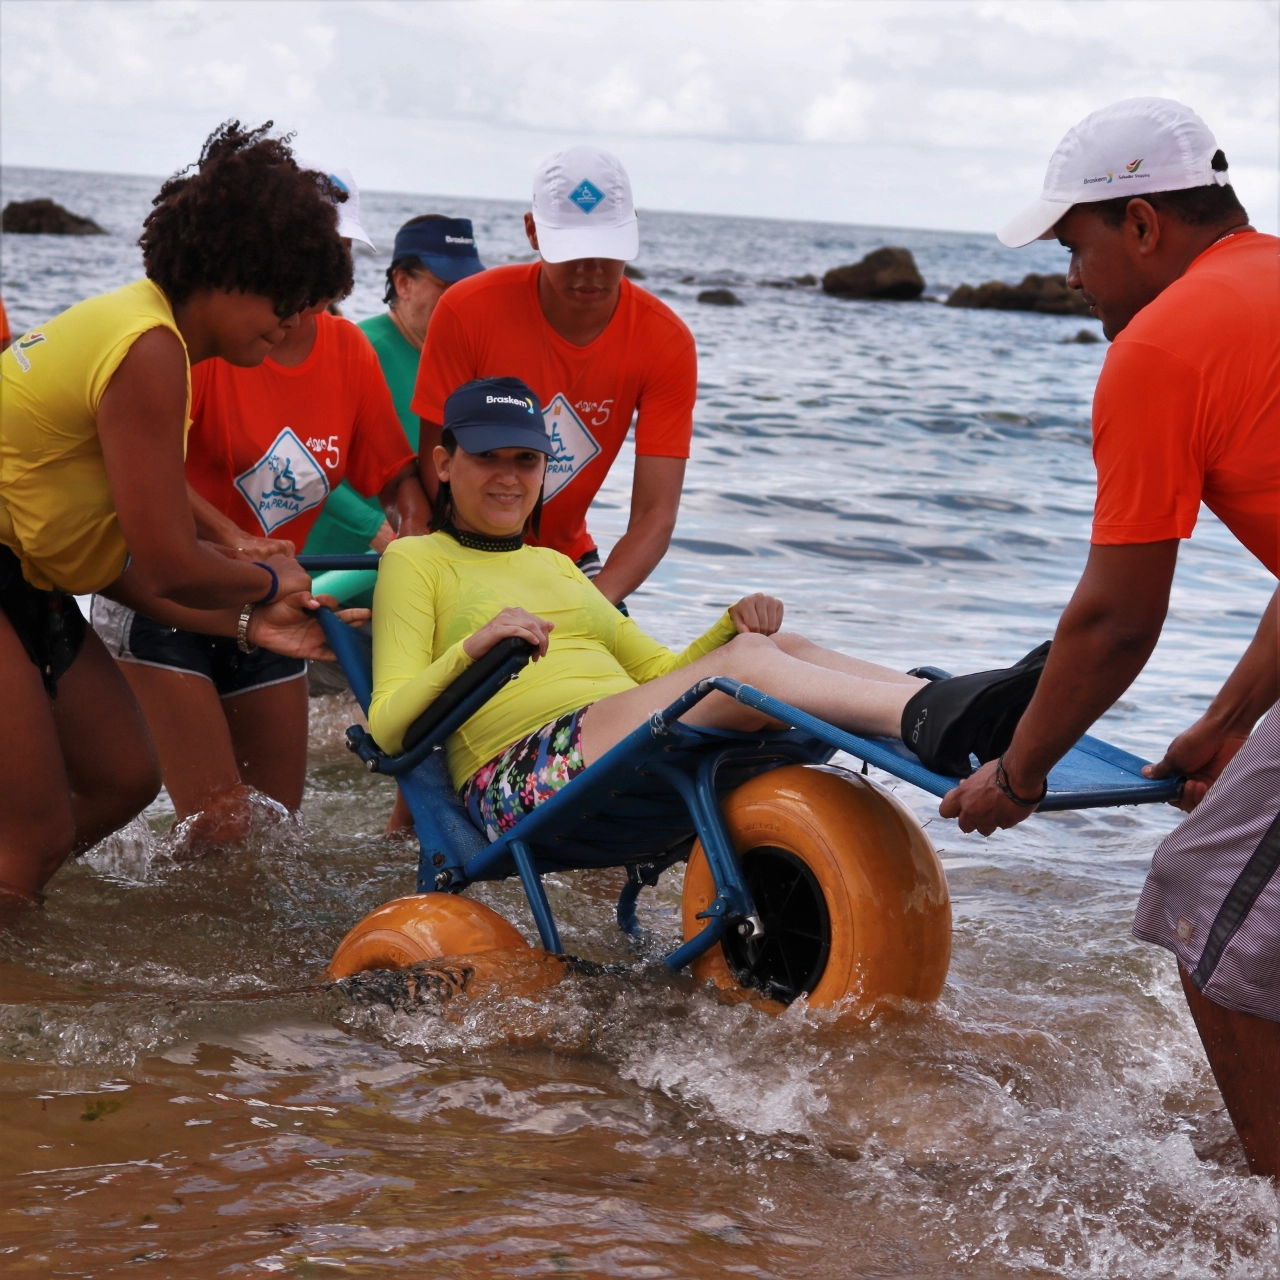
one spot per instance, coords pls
(180, 1088)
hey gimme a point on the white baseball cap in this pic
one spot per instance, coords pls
(1127, 149)
(582, 207)
(350, 227)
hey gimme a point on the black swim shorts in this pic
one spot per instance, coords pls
(131, 637)
(49, 623)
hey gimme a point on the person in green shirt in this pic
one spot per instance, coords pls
(431, 252)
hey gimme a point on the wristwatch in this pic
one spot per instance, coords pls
(242, 631)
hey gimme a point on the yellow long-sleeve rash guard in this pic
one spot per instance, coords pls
(433, 593)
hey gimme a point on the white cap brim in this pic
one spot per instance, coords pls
(350, 228)
(567, 244)
(1033, 223)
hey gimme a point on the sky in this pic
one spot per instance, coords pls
(919, 113)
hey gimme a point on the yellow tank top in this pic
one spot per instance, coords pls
(56, 509)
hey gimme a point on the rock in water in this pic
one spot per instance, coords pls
(888, 274)
(1048, 295)
(632, 273)
(720, 298)
(43, 217)
(1085, 336)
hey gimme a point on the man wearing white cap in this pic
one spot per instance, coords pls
(594, 348)
(1187, 410)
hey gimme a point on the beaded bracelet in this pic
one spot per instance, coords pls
(1002, 781)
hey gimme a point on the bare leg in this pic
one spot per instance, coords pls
(401, 820)
(185, 717)
(269, 735)
(850, 701)
(72, 769)
(1244, 1054)
(803, 648)
(212, 753)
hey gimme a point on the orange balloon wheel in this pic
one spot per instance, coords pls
(423, 926)
(849, 887)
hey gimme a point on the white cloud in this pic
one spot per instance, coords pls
(852, 112)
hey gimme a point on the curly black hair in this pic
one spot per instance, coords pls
(249, 218)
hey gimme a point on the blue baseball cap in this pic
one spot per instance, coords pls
(496, 413)
(445, 246)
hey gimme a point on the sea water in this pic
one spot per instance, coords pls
(178, 1091)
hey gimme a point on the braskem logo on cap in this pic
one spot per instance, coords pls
(586, 195)
(525, 404)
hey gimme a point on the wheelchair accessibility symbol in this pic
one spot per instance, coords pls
(284, 482)
(574, 446)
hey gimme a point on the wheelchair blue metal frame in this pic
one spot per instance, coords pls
(641, 805)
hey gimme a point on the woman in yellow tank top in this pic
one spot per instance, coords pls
(93, 417)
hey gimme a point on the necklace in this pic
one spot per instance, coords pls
(481, 542)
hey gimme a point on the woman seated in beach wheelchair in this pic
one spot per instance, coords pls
(610, 750)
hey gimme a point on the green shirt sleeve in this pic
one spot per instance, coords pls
(348, 517)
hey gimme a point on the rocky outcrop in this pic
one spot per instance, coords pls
(720, 298)
(44, 217)
(1085, 336)
(1048, 295)
(888, 274)
(805, 281)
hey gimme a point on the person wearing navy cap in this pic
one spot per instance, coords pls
(431, 253)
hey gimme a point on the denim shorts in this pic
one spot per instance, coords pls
(131, 637)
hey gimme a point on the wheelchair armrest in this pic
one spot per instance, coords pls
(472, 689)
(452, 709)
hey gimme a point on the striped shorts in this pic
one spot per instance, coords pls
(1212, 896)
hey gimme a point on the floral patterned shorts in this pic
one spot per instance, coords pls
(528, 772)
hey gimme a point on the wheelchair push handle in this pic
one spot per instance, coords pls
(328, 563)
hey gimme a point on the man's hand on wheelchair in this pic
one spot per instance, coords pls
(759, 613)
(510, 622)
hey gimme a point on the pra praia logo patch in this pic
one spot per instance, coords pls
(574, 446)
(586, 195)
(284, 483)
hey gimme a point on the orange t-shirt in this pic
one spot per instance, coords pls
(5, 336)
(491, 326)
(1187, 408)
(268, 444)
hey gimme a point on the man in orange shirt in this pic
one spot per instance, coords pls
(593, 347)
(1187, 410)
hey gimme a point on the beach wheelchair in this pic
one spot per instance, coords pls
(802, 879)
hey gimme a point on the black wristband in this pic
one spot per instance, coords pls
(1002, 781)
(275, 583)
